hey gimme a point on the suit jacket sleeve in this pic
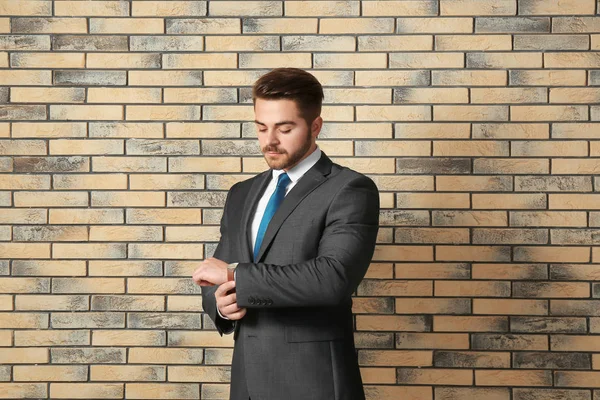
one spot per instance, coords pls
(222, 252)
(345, 250)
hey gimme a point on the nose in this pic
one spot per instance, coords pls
(272, 138)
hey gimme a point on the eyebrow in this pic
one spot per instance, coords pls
(278, 123)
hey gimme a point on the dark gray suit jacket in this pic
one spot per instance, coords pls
(296, 341)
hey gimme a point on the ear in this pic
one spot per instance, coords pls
(316, 126)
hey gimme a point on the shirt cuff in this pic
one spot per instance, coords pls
(221, 315)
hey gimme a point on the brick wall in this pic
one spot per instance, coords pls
(124, 123)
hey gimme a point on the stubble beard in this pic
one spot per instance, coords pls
(287, 160)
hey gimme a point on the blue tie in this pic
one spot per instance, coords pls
(272, 206)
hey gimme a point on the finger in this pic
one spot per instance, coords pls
(224, 288)
(230, 309)
(237, 315)
(206, 283)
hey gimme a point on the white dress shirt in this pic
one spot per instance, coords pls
(295, 174)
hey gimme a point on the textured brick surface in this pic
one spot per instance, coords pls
(124, 123)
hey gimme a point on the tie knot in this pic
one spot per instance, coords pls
(284, 180)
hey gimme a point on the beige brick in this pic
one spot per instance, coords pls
(127, 303)
(6, 338)
(47, 60)
(16, 320)
(105, 8)
(508, 95)
(153, 355)
(482, 148)
(5, 25)
(397, 183)
(227, 113)
(552, 254)
(378, 375)
(127, 373)
(275, 60)
(164, 216)
(26, 78)
(356, 130)
(50, 373)
(24, 356)
(23, 181)
(123, 95)
(403, 253)
(129, 164)
(432, 200)
(5, 129)
(132, 199)
(184, 303)
(431, 130)
(468, 78)
(122, 60)
(429, 25)
(166, 251)
(202, 129)
(504, 60)
(204, 164)
(511, 131)
(239, 43)
(199, 95)
(572, 95)
(425, 60)
(84, 112)
(574, 201)
(513, 378)
(125, 25)
(287, 25)
(431, 95)
(556, 7)
(85, 250)
(165, 78)
(571, 60)
(246, 8)
(470, 113)
(395, 43)
(22, 147)
(350, 60)
(192, 234)
(170, 8)
(555, 148)
(356, 25)
(552, 113)
(473, 253)
(40, 8)
(48, 129)
(90, 181)
(368, 165)
(6, 302)
(510, 307)
(511, 166)
(162, 391)
(393, 148)
(473, 43)
(128, 338)
(392, 323)
(393, 113)
(124, 268)
(170, 113)
(23, 390)
(199, 374)
(23, 250)
(477, 7)
(125, 233)
(547, 218)
(321, 8)
(48, 95)
(52, 302)
(87, 390)
(548, 78)
(52, 338)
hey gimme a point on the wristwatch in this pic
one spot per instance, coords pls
(231, 271)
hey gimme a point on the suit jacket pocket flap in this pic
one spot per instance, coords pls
(313, 333)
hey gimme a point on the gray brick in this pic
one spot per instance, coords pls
(433, 166)
(551, 394)
(512, 24)
(162, 147)
(49, 233)
(575, 24)
(231, 147)
(510, 236)
(90, 78)
(553, 184)
(539, 360)
(165, 321)
(399, 217)
(190, 26)
(4, 267)
(4, 95)
(51, 164)
(465, 359)
(6, 165)
(167, 43)
(89, 43)
(551, 42)
(97, 355)
(88, 320)
(13, 112)
(576, 236)
(196, 199)
(24, 42)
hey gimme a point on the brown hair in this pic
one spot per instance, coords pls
(293, 84)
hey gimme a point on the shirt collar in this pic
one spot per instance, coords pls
(302, 167)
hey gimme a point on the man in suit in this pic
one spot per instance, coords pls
(300, 236)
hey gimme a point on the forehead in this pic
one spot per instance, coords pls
(273, 111)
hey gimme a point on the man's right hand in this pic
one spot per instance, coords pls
(226, 302)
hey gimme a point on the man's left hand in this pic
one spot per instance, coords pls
(211, 271)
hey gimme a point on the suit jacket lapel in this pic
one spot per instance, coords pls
(309, 182)
(249, 205)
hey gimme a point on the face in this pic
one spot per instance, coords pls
(284, 137)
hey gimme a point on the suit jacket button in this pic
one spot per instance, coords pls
(269, 302)
(251, 300)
